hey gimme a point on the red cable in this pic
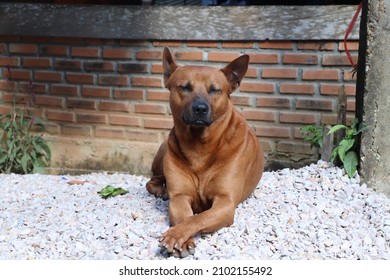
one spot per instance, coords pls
(349, 30)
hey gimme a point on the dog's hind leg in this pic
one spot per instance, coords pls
(156, 184)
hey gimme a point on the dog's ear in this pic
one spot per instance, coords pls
(169, 65)
(236, 70)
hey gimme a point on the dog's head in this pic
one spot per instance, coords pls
(200, 94)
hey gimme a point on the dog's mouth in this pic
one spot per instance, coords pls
(197, 122)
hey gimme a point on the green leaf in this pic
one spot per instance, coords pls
(3, 158)
(350, 163)
(344, 146)
(336, 128)
(110, 191)
(335, 152)
(24, 161)
(362, 127)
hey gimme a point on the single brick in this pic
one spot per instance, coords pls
(321, 74)
(158, 123)
(133, 43)
(3, 48)
(332, 119)
(7, 85)
(48, 76)
(91, 118)
(316, 46)
(294, 147)
(113, 80)
(5, 110)
(50, 101)
(9, 61)
(146, 81)
(241, 100)
(222, 56)
(202, 44)
(80, 78)
(88, 52)
(255, 115)
(65, 90)
(114, 106)
(125, 120)
(132, 68)
(99, 66)
(305, 59)
(15, 74)
(116, 53)
(264, 58)
(100, 92)
(274, 102)
(68, 65)
(351, 105)
(142, 136)
(338, 60)
(257, 87)
(36, 62)
(111, 133)
(351, 46)
(279, 73)
(54, 50)
(332, 89)
(81, 104)
(314, 104)
(167, 43)
(349, 76)
(68, 40)
(157, 69)
(133, 94)
(252, 73)
(306, 89)
(150, 109)
(237, 45)
(59, 116)
(299, 118)
(280, 45)
(154, 95)
(188, 55)
(30, 87)
(23, 48)
(276, 132)
(80, 130)
(149, 55)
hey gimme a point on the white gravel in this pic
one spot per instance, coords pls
(315, 212)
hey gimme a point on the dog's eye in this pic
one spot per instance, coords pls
(213, 90)
(185, 88)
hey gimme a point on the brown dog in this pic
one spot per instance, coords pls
(211, 161)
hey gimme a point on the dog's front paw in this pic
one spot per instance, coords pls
(174, 243)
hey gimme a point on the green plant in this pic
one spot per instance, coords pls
(111, 191)
(345, 150)
(20, 151)
(315, 134)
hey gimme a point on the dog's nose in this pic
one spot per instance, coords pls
(200, 108)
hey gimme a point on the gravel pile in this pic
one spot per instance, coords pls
(315, 212)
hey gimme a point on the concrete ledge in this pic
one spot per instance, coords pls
(178, 23)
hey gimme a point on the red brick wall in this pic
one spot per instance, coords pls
(112, 89)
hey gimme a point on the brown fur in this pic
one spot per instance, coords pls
(211, 161)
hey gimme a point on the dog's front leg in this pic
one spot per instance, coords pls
(179, 210)
(221, 214)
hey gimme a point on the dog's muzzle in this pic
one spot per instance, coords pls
(199, 114)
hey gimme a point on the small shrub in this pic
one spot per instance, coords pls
(345, 150)
(20, 151)
(314, 134)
